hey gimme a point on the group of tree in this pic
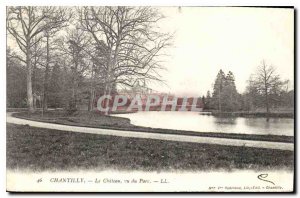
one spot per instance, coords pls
(265, 90)
(225, 96)
(59, 56)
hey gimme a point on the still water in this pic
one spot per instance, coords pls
(193, 121)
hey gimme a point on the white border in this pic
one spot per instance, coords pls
(4, 3)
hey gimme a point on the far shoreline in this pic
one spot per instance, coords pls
(254, 114)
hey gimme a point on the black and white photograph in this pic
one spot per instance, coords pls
(150, 99)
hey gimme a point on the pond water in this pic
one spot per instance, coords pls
(193, 121)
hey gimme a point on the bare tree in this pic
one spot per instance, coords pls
(265, 80)
(73, 47)
(58, 18)
(97, 69)
(37, 74)
(26, 24)
(133, 43)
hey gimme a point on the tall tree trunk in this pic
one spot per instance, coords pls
(106, 93)
(112, 63)
(92, 93)
(29, 78)
(74, 84)
(266, 92)
(107, 84)
(91, 102)
(267, 105)
(34, 82)
(219, 100)
(46, 77)
(267, 102)
(107, 101)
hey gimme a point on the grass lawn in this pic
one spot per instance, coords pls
(46, 149)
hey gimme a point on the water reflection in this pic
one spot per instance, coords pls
(192, 121)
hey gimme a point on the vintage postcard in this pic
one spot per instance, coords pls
(150, 99)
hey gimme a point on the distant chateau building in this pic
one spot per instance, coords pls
(141, 89)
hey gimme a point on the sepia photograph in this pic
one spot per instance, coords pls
(150, 99)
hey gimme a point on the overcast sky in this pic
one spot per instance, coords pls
(232, 39)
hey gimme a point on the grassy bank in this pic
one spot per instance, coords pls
(45, 149)
(93, 119)
(254, 114)
(16, 109)
(78, 117)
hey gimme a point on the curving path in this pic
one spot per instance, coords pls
(169, 137)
